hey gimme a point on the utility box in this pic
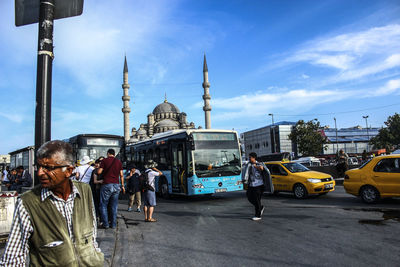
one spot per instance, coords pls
(8, 199)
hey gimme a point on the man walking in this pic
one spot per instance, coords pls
(111, 169)
(258, 179)
(55, 221)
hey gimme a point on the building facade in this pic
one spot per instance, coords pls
(267, 140)
(351, 140)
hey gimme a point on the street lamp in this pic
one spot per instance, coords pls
(366, 125)
(337, 145)
(273, 132)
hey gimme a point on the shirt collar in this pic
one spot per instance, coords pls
(45, 193)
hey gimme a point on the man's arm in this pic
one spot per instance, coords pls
(17, 246)
(121, 174)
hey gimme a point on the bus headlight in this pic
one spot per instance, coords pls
(198, 186)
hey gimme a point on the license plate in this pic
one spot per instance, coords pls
(327, 186)
(219, 190)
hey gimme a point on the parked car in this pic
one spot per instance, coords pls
(295, 177)
(309, 161)
(352, 161)
(377, 178)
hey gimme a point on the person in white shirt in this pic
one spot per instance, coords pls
(149, 194)
(83, 173)
(5, 179)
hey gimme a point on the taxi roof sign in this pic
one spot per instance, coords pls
(27, 11)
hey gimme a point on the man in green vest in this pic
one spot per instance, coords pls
(55, 221)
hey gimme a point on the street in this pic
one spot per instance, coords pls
(331, 230)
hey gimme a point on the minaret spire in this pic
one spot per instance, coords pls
(206, 96)
(126, 98)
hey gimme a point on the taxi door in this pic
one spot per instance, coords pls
(278, 177)
(386, 175)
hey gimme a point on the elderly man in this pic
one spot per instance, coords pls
(258, 179)
(54, 222)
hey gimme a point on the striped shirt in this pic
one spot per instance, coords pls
(21, 230)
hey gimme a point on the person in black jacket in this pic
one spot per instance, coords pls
(134, 189)
(257, 178)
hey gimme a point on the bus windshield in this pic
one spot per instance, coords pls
(216, 154)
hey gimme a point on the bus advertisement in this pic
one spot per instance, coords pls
(193, 162)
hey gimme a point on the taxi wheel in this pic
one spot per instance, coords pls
(300, 191)
(369, 194)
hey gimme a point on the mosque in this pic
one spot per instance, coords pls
(165, 116)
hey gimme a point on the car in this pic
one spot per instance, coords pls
(294, 177)
(375, 179)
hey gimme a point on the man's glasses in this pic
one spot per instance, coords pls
(48, 168)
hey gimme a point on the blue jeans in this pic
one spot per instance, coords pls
(109, 193)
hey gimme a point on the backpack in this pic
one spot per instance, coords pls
(145, 184)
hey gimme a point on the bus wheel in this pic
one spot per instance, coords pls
(164, 189)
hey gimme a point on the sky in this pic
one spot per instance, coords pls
(294, 59)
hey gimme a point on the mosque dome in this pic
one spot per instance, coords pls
(167, 123)
(165, 107)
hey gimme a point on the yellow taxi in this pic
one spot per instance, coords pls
(296, 178)
(375, 179)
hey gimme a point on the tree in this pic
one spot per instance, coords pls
(308, 138)
(389, 137)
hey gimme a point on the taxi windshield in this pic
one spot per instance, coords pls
(295, 167)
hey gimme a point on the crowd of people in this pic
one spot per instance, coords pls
(16, 179)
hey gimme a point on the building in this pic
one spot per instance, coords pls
(165, 116)
(269, 139)
(351, 140)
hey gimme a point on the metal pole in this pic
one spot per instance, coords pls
(44, 73)
(337, 144)
(273, 132)
(366, 125)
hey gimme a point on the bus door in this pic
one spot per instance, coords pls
(178, 171)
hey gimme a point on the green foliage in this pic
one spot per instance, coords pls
(308, 137)
(389, 137)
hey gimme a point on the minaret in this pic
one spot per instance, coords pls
(125, 98)
(206, 96)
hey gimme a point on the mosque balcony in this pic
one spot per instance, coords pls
(126, 110)
(206, 84)
(206, 97)
(126, 98)
(207, 108)
(125, 86)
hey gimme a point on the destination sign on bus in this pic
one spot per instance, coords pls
(214, 136)
(101, 142)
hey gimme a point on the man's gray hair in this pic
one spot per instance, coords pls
(59, 151)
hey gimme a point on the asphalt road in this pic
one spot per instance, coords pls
(332, 230)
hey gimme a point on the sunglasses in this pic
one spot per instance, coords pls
(48, 168)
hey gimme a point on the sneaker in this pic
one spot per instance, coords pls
(129, 209)
(262, 211)
(256, 218)
(138, 210)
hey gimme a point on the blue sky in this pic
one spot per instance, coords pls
(295, 59)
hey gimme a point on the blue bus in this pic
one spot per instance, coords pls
(193, 162)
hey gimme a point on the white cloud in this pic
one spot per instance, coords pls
(389, 88)
(14, 117)
(355, 54)
(261, 103)
(305, 76)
